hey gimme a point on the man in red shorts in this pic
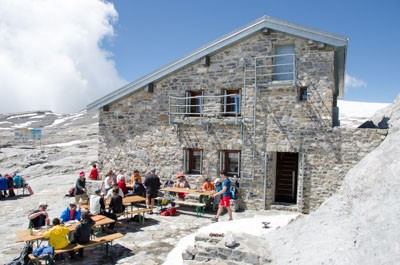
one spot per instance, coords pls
(226, 196)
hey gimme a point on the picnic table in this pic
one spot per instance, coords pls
(132, 200)
(37, 234)
(199, 205)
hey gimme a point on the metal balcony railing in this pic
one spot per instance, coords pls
(202, 107)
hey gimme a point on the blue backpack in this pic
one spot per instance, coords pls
(43, 251)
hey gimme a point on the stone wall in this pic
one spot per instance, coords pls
(135, 132)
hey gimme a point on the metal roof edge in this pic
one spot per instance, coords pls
(224, 41)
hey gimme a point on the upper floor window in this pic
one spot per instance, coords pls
(231, 102)
(193, 160)
(230, 162)
(194, 102)
(283, 63)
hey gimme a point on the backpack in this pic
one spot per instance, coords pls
(23, 258)
(71, 193)
(43, 251)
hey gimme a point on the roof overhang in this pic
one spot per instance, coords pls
(339, 42)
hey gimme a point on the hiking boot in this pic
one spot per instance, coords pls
(214, 219)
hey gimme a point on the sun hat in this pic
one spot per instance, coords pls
(43, 204)
(217, 180)
(180, 174)
(81, 173)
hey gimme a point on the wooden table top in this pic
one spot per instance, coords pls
(24, 235)
(190, 191)
(133, 199)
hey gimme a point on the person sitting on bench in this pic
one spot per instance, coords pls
(57, 236)
(97, 206)
(82, 233)
(71, 213)
(39, 217)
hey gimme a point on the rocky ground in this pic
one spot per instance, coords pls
(51, 167)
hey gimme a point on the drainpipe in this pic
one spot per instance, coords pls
(265, 177)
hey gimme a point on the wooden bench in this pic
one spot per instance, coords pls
(199, 206)
(140, 212)
(108, 239)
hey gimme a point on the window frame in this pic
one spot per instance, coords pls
(190, 161)
(231, 104)
(194, 106)
(279, 58)
(225, 163)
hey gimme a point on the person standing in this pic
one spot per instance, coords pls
(3, 186)
(39, 217)
(152, 184)
(80, 188)
(94, 173)
(226, 196)
(108, 181)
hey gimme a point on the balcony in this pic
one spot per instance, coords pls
(205, 109)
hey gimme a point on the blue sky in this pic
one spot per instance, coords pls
(151, 34)
(61, 55)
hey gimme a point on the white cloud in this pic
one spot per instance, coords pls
(51, 56)
(354, 82)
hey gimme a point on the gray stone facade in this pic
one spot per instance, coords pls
(138, 131)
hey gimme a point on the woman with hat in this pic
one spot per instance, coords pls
(181, 183)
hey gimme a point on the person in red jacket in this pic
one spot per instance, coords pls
(122, 185)
(94, 173)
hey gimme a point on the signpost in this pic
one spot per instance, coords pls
(25, 135)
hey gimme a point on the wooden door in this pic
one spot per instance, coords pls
(286, 177)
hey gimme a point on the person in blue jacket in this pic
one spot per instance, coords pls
(71, 213)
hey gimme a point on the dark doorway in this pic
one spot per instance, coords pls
(286, 177)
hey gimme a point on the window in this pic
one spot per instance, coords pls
(283, 63)
(193, 160)
(194, 102)
(231, 102)
(302, 93)
(230, 162)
